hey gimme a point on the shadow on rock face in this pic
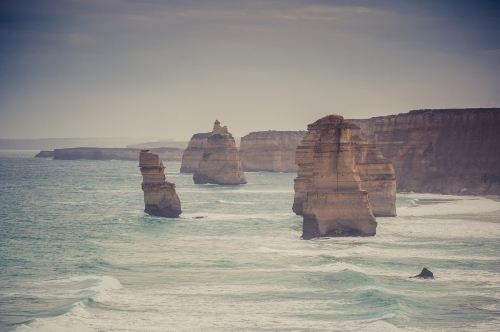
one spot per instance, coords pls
(425, 274)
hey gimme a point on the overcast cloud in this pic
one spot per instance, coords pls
(89, 68)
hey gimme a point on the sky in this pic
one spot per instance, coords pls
(168, 69)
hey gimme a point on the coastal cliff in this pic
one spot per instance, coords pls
(328, 186)
(220, 162)
(446, 151)
(168, 154)
(271, 151)
(45, 154)
(194, 152)
(376, 174)
(160, 198)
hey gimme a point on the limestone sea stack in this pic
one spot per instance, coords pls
(220, 162)
(270, 151)
(375, 172)
(160, 198)
(193, 153)
(328, 187)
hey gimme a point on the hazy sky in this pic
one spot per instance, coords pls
(151, 68)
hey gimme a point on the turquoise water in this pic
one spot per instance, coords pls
(78, 254)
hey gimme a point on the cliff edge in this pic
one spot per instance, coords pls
(271, 151)
(446, 151)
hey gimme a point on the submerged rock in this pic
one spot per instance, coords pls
(220, 162)
(160, 198)
(327, 189)
(425, 274)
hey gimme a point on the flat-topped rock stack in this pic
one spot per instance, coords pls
(220, 162)
(328, 186)
(270, 151)
(160, 198)
(193, 153)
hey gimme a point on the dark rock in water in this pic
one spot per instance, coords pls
(425, 274)
(200, 217)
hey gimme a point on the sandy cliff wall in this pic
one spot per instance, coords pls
(168, 154)
(194, 152)
(448, 151)
(272, 151)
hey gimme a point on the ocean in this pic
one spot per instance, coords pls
(77, 253)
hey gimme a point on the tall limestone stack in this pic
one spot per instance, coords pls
(160, 198)
(270, 151)
(327, 188)
(220, 162)
(377, 176)
(193, 153)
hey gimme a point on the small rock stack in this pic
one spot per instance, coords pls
(160, 198)
(328, 188)
(220, 162)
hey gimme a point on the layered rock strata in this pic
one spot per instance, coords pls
(270, 151)
(160, 198)
(167, 154)
(220, 162)
(445, 151)
(193, 153)
(334, 214)
(327, 187)
(377, 176)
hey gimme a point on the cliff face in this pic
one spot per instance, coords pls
(271, 151)
(220, 162)
(160, 198)
(377, 176)
(169, 154)
(194, 152)
(328, 186)
(448, 151)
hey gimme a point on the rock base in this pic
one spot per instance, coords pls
(337, 214)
